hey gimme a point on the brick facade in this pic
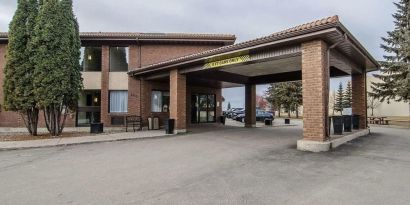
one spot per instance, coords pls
(359, 101)
(315, 82)
(177, 108)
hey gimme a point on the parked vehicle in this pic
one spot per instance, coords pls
(235, 112)
(260, 116)
(229, 112)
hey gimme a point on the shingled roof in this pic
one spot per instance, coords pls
(230, 39)
(317, 25)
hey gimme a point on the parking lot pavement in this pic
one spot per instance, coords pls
(218, 166)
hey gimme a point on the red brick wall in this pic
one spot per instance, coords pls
(315, 82)
(177, 107)
(359, 101)
(156, 53)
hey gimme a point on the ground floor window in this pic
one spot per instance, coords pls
(89, 108)
(159, 101)
(203, 108)
(118, 101)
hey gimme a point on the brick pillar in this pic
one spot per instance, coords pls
(250, 105)
(178, 102)
(359, 101)
(134, 84)
(315, 83)
(105, 73)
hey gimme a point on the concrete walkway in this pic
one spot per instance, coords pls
(10, 145)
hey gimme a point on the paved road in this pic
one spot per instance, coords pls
(226, 166)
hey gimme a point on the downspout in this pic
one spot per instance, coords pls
(328, 81)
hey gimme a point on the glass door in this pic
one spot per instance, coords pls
(203, 108)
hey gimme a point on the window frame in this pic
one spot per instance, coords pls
(109, 101)
(162, 100)
(101, 59)
(127, 57)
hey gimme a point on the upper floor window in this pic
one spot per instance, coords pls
(118, 59)
(90, 59)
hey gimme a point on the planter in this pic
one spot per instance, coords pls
(96, 127)
(347, 123)
(337, 125)
(356, 121)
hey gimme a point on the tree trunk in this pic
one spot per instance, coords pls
(30, 118)
(54, 120)
(372, 111)
(297, 113)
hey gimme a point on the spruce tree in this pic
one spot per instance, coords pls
(395, 72)
(57, 77)
(347, 97)
(339, 99)
(18, 85)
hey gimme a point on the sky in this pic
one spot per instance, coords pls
(367, 20)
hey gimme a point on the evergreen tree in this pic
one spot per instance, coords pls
(339, 99)
(18, 85)
(229, 105)
(57, 76)
(347, 97)
(395, 72)
(286, 94)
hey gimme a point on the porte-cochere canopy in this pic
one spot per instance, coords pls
(311, 52)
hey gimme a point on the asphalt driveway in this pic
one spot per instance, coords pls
(220, 166)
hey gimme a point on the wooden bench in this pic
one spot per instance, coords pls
(135, 121)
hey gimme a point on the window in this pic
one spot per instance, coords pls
(159, 101)
(118, 59)
(90, 59)
(88, 107)
(119, 101)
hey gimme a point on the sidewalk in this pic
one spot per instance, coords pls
(11, 145)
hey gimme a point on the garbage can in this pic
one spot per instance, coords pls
(169, 126)
(268, 121)
(153, 123)
(337, 125)
(287, 121)
(97, 127)
(222, 119)
(347, 123)
(356, 121)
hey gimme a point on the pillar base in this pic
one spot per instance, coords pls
(180, 131)
(313, 146)
(250, 125)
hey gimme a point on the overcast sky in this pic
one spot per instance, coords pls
(367, 20)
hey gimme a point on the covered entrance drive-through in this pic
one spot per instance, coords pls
(312, 52)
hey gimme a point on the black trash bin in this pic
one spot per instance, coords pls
(268, 121)
(337, 125)
(356, 121)
(287, 121)
(347, 123)
(169, 126)
(222, 119)
(96, 127)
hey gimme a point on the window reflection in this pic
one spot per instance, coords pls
(119, 59)
(90, 59)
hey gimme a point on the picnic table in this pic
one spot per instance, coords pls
(381, 120)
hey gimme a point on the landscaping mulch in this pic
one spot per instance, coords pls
(26, 136)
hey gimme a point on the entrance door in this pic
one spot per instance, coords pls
(203, 108)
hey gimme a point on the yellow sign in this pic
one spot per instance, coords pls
(229, 61)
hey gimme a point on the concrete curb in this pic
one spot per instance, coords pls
(59, 142)
(316, 146)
